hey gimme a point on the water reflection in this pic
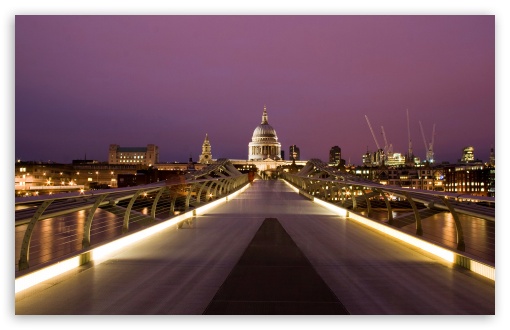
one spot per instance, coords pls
(440, 228)
(56, 237)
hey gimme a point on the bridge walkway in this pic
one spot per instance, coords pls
(179, 271)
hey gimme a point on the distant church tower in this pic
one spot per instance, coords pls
(206, 156)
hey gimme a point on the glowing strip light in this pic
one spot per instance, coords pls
(429, 247)
(39, 276)
(101, 253)
(335, 209)
(445, 254)
(291, 186)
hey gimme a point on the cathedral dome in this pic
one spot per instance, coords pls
(264, 142)
(264, 132)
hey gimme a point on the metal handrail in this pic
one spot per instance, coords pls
(169, 196)
(317, 180)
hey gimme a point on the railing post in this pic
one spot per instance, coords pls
(217, 187)
(388, 207)
(342, 195)
(155, 203)
(25, 247)
(199, 193)
(172, 204)
(221, 187)
(208, 193)
(461, 245)
(125, 224)
(188, 197)
(369, 208)
(85, 243)
(419, 229)
(353, 199)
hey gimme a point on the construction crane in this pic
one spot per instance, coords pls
(429, 148)
(375, 139)
(410, 155)
(371, 130)
(430, 152)
(388, 148)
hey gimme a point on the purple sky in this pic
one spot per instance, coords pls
(84, 82)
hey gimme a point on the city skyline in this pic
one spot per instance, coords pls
(85, 82)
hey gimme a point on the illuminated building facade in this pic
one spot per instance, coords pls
(147, 156)
(264, 144)
(473, 179)
(468, 155)
(335, 156)
(35, 178)
(424, 178)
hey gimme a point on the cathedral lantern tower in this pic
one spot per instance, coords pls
(206, 156)
(264, 142)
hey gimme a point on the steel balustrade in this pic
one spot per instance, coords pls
(318, 180)
(167, 198)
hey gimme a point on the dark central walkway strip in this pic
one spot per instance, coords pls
(273, 277)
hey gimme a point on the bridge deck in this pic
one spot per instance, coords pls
(179, 271)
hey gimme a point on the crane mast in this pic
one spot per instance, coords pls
(372, 131)
(379, 153)
(410, 155)
(429, 149)
(423, 136)
(430, 153)
(388, 148)
(385, 141)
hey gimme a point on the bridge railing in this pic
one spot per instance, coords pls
(462, 223)
(51, 227)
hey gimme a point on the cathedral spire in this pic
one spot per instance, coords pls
(264, 115)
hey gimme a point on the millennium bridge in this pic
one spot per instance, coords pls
(217, 241)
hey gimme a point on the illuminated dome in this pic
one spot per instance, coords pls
(264, 132)
(264, 142)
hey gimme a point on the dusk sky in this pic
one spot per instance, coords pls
(85, 82)
(73, 85)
